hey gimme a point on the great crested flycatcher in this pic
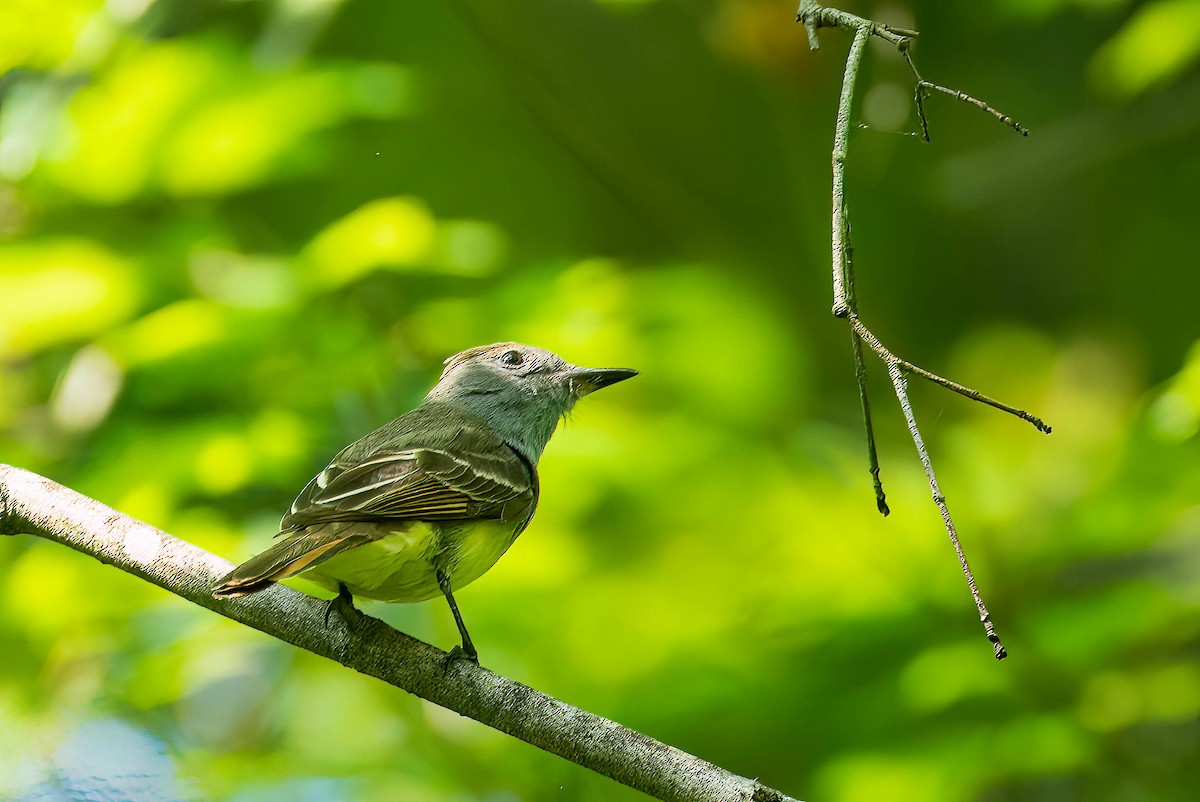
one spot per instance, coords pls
(429, 502)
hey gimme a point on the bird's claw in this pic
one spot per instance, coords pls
(459, 653)
(344, 604)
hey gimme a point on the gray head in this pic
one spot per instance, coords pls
(521, 391)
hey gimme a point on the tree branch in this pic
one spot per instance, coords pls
(32, 504)
(845, 305)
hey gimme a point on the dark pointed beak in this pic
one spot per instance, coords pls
(587, 380)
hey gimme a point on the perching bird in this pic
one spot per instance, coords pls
(429, 502)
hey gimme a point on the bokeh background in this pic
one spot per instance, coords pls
(235, 236)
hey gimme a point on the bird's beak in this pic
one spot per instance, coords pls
(587, 380)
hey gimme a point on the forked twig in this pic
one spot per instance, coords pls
(878, 347)
(845, 305)
(922, 92)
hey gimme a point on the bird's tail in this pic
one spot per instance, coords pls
(287, 558)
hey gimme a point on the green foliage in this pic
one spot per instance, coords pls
(235, 236)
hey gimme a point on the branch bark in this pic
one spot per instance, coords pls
(32, 504)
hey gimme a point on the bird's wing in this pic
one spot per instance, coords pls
(435, 463)
(287, 558)
(420, 484)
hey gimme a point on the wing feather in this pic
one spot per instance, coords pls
(436, 463)
(472, 474)
(287, 558)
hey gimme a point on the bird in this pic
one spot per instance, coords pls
(427, 503)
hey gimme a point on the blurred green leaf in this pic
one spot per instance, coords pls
(92, 288)
(1157, 44)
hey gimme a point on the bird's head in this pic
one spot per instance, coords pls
(520, 390)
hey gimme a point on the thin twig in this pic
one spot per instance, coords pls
(975, 395)
(860, 375)
(32, 504)
(919, 99)
(923, 85)
(841, 145)
(844, 302)
(878, 347)
(895, 371)
(814, 16)
(921, 92)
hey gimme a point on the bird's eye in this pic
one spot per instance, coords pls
(511, 359)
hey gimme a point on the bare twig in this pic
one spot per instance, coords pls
(843, 270)
(864, 400)
(860, 374)
(878, 347)
(841, 146)
(900, 384)
(35, 505)
(845, 305)
(813, 16)
(923, 88)
(922, 92)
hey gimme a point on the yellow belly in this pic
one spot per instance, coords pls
(402, 566)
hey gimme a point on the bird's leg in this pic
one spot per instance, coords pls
(467, 650)
(344, 603)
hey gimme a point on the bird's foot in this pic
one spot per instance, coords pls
(467, 653)
(344, 604)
